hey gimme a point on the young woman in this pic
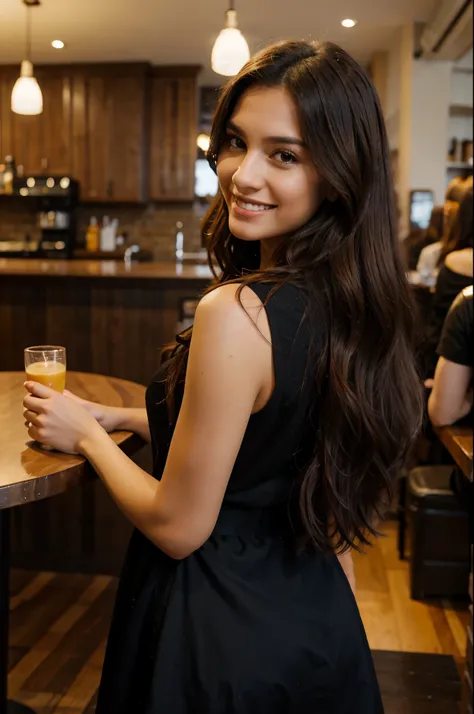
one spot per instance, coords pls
(456, 273)
(280, 422)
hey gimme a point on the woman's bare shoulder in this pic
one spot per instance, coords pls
(460, 261)
(224, 300)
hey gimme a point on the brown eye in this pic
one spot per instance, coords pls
(235, 142)
(286, 157)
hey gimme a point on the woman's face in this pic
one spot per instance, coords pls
(266, 175)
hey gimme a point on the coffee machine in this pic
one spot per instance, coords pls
(54, 199)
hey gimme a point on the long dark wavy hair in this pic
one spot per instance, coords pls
(367, 393)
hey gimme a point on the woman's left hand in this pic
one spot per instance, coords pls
(56, 420)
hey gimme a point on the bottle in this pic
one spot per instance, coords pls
(108, 234)
(9, 174)
(102, 233)
(92, 236)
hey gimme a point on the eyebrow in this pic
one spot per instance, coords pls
(274, 139)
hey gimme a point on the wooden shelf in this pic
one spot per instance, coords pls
(464, 165)
(460, 110)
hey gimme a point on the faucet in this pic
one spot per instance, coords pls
(127, 256)
(179, 245)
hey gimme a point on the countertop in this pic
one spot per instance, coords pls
(103, 269)
(29, 473)
(457, 438)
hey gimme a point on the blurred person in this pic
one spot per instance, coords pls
(451, 389)
(280, 422)
(455, 274)
(416, 241)
(428, 263)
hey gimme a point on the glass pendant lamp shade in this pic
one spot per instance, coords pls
(230, 51)
(26, 95)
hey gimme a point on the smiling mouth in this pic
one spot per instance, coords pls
(255, 207)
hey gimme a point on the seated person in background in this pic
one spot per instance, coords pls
(427, 266)
(455, 275)
(415, 242)
(451, 395)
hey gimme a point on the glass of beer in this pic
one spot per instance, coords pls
(46, 364)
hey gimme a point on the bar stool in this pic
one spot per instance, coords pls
(439, 529)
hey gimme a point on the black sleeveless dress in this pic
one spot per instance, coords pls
(244, 625)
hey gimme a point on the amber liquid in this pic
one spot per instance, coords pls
(52, 374)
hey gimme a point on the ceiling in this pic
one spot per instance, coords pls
(183, 31)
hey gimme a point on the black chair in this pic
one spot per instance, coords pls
(439, 534)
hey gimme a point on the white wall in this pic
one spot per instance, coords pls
(392, 91)
(407, 46)
(430, 97)
(418, 94)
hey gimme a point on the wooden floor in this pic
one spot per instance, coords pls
(59, 624)
(395, 622)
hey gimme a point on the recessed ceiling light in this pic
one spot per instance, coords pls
(348, 23)
(57, 44)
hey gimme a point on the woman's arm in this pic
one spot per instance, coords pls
(451, 396)
(132, 419)
(229, 364)
(116, 418)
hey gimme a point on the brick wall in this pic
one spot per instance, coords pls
(152, 226)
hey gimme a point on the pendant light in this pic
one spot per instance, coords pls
(26, 94)
(230, 51)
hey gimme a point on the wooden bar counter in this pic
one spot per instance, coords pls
(29, 474)
(112, 318)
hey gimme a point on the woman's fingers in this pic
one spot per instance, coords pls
(35, 404)
(33, 433)
(30, 417)
(39, 390)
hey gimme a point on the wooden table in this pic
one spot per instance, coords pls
(458, 441)
(28, 473)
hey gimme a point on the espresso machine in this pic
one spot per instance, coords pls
(54, 200)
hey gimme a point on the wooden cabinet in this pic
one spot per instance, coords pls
(40, 144)
(126, 132)
(20, 136)
(56, 121)
(173, 133)
(110, 132)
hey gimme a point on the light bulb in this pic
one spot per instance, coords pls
(349, 23)
(230, 51)
(26, 95)
(57, 44)
(203, 142)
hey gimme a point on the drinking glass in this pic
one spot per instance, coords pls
(46, 364)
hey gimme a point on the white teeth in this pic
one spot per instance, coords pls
(251, 206)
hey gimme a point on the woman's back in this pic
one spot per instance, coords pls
(455, 275)
(247, 623)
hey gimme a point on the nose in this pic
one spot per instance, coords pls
(250, 174)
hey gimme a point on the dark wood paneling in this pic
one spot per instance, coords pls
(115, 329)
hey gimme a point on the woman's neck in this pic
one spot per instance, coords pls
(267, 252)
